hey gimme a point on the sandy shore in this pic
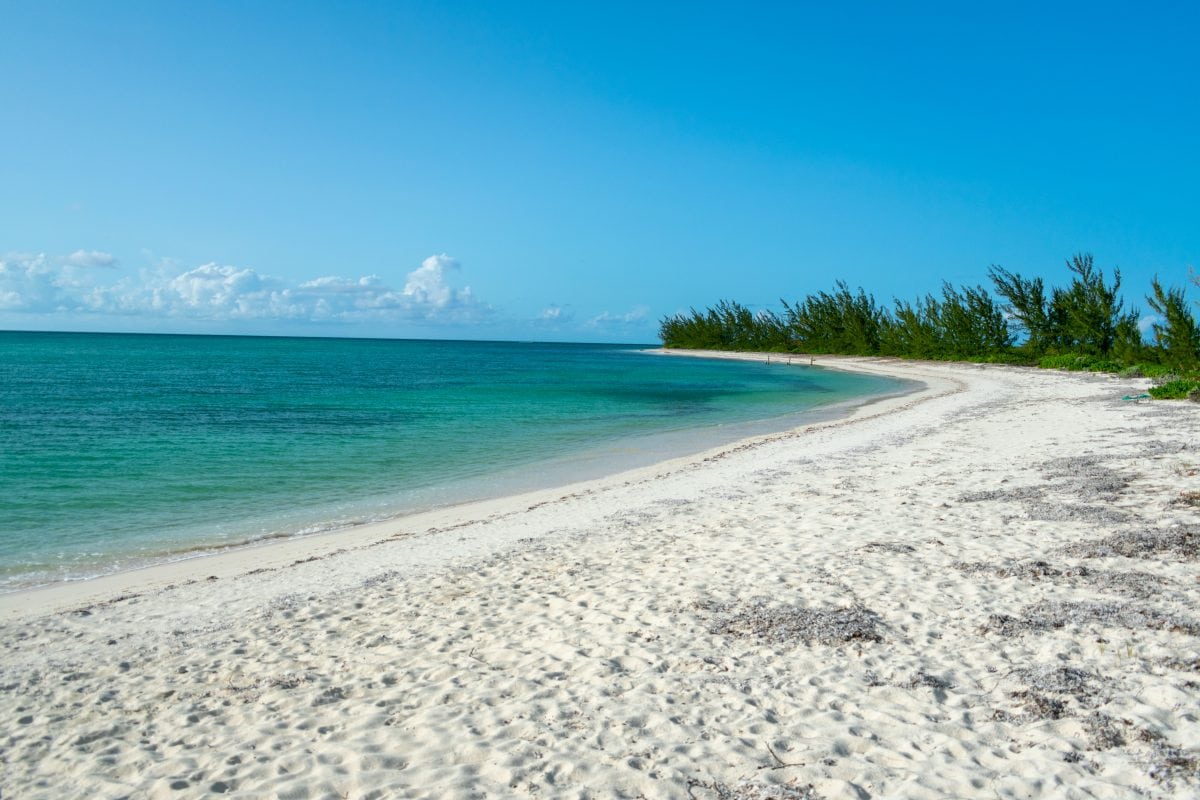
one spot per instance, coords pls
(985, 589)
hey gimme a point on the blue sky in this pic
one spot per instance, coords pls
(570, 171)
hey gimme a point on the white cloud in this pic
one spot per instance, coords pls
(36, 282)
(90, 258)
(41, 284)
(555, 313)
(427, 285)
(1146, 324)
(635, 316)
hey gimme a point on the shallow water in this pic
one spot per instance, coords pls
(117, 450)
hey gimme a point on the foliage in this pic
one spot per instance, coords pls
(1084, 325)
(1176, 334)
(726, 326)
(1079, 362)
(1027, 305)
(1178, 389)
(1146, 370)
(837, 322)
(1088, 313)
(1087, 317)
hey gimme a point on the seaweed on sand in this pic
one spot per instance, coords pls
(1050, 614)
(888, 547)
(1039, 706)
(1031, 570)
(745, 790)
(1133, 584)
(1181, 542)
(1043, 681)
(1169, 764)
(780, 624)
(1060, 680)
(1087, 476)
(1103, 732)
(1083, 479)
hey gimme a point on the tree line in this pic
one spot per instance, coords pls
(1084, 325)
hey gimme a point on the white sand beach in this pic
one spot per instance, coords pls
(988, 588)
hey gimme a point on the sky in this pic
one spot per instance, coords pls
(575, 171)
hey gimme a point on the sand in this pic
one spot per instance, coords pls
(985, 589)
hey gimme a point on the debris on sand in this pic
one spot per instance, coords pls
(1031, 570)
(1103, 731)
(1141, 585)
(1181, 542)
(1050, 614)
(745, 790)
(1060, 680)
(1039, 706)
(1087, 476)
(888, 547)
(780, 624)
(1073, 486)
(1045, 680)
(1169, 764)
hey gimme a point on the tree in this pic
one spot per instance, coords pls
(1176, 333)
(1027, 305)
(1089, 310)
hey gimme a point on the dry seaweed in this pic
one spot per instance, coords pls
(745, 790)
(1182, 664)
(1043, 681)
(1057, 511)
(923, 678)
(779, 624)
(1158, 447)
(1181, 542)
(1142, 585)
(1038, 706)
(1083, 478)
(1020, 569)
(1169, 764)
(1060, 680)
(888, 547)
(1190, 499)
(1014, 495)
(1087, 476)
(1050, 614)
(1103, 732)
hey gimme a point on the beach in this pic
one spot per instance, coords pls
(986, 588)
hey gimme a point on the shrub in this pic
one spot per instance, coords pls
(1079, 362)
(1178, 389)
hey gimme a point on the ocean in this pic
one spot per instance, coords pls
(120, 450)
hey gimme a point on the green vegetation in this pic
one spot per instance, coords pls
(1177, 389)
(1082, 326)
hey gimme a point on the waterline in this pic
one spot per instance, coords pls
(119, 450)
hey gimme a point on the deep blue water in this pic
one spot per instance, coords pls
(117, 450)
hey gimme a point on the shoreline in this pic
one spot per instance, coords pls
(984, 587)
(194, 563)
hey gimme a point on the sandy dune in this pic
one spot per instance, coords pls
(986, 589)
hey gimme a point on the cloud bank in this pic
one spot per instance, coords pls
(82, 284)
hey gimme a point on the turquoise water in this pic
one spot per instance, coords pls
(119, 450)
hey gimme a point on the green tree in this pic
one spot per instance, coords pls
(1088, 311)
(837, 322)
(1027, 305)
(1176, 333)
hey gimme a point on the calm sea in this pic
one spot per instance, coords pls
(121, 450)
